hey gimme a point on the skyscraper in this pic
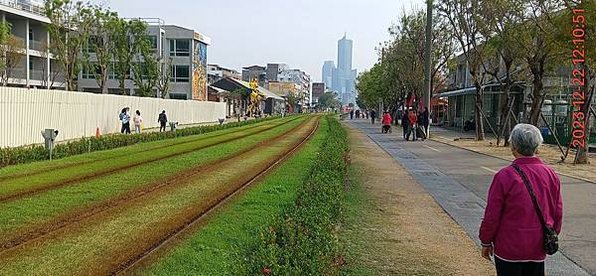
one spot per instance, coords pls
(346, 76)
(328, 69)
(344, 54)
(343, 78)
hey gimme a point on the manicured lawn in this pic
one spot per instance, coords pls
(99, 243)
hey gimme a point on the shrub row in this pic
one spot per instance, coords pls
(303, 240)
(28, 154)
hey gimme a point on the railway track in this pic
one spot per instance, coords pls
(4, 178)
(37, 232)
(92, 175)
(128, 265)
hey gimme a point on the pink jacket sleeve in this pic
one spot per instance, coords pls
(492, 213)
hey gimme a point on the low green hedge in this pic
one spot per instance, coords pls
(28, 154)
(303, 240)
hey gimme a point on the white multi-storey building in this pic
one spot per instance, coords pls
(183, 50)
(36, 67)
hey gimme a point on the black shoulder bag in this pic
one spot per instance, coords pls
(551, 240)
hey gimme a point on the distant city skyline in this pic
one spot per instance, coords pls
(342, 78)
(301, 34)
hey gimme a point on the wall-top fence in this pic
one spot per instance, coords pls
(24, 113)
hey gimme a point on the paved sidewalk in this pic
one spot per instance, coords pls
(459, 179)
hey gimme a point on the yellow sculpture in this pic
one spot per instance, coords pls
(256, 97)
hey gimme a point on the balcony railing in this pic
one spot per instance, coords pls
(57, 77)
(24, 6)
(37, 75)
(37, 45)
(18, 73)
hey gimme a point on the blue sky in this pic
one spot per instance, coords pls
(301, 33)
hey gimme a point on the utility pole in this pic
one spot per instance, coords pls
(427, 58)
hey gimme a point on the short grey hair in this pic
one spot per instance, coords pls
(526, 139)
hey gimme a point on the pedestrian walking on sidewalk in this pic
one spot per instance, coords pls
(425, 121)
(373, 116)
(413, 124)
(125, 120)
(405, 124)
(524, 209)
(387, 120)
(351, 114)
(138, 121)
(162, 120)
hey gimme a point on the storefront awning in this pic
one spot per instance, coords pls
(488, 90)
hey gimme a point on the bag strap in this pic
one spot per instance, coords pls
(532, 195)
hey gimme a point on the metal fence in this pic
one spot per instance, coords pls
(29, 6)
(37, 45)
(24, 113)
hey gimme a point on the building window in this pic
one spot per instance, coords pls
(180, 73)
(31, 36)
(180, 47)
(153, 41)
(89, 72)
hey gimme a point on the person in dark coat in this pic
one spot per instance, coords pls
(373, 116)
(125, 120)
(162, 120)
(425, 121)
(351, 114)
(405, 124)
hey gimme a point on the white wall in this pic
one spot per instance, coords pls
(25, 113)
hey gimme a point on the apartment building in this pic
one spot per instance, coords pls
(36, 67)
(216, 72)
(302, 79)
(183, 50)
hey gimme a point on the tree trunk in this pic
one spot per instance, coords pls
(478, 114)
(537, 99)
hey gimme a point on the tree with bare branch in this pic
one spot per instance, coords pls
(464, 17)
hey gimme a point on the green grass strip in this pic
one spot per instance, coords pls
(16, 185)
(99, 155)
(304, 240)
(214, 249)
(98, 241)
(22, 214)
(35, 153)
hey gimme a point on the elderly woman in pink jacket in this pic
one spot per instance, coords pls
(514, 226)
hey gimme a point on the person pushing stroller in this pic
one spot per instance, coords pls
(386, 121)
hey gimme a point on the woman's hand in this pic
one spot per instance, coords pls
(487, 252)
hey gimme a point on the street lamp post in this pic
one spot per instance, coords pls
(427, 58)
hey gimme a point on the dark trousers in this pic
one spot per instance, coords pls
(162, 127)
(505, 268)
(411, 131)
(125, 128)
(373, 120)
(386, 128)
(404, 127)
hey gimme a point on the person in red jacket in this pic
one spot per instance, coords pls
(413, 125)
(511, 229)
(387, 120)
